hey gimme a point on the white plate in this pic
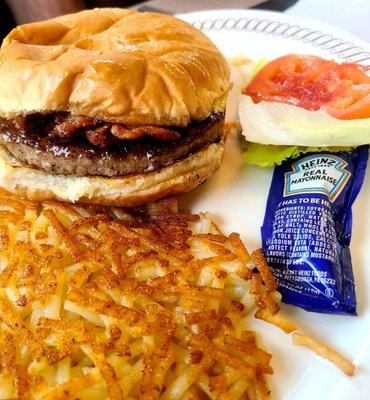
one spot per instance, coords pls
(237, 196)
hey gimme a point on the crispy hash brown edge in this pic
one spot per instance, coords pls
(146, 303)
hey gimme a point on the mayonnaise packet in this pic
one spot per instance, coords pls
(307, 229)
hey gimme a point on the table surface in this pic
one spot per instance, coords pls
(351, 15)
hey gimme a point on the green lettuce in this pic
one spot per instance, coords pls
(268, 155)
(257, 66)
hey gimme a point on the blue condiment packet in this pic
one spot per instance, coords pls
(307, 229)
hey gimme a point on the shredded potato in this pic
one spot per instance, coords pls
(149, 303)
(301, 339)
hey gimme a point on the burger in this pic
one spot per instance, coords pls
(110, 106)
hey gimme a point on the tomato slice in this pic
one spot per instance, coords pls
(310, 82)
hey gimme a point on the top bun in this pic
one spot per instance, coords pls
(113, 64)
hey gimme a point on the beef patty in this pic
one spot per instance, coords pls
(60, 144)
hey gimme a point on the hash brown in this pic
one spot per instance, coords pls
(146, 303)
(109, 303)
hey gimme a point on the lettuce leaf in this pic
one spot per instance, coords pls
(258, 65)
(268, 155)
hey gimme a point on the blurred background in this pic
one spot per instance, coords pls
(351, 15)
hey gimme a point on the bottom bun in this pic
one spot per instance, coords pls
(125, 191)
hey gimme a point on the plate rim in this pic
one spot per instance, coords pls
(327, 37)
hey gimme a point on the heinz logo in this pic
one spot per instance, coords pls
(316, 162)
(324, 173)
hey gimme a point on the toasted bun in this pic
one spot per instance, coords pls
(128, 191)
(113, 64)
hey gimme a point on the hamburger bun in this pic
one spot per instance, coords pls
(113, 64)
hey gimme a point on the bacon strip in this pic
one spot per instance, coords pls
(103, 134)
(72, 124)
(100, 136)
(126, 132)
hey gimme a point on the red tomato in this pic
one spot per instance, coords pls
(342, 90)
